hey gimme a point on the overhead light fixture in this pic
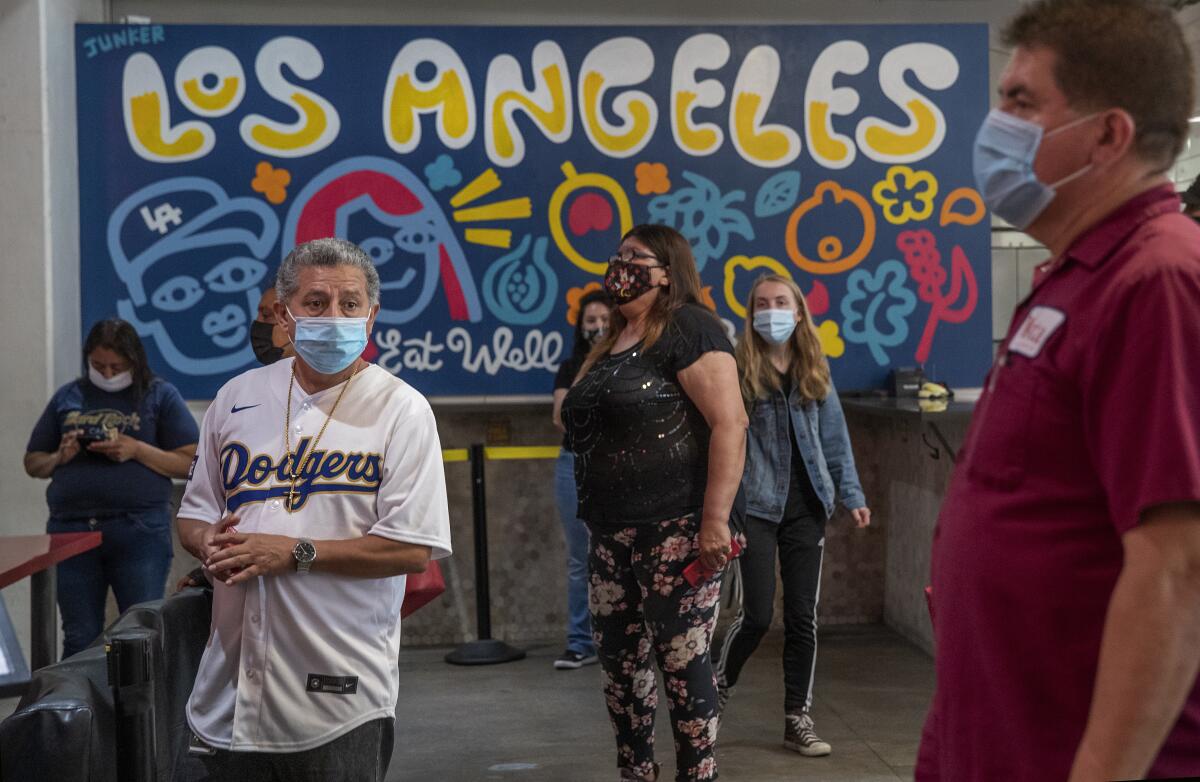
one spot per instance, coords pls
(1194, 120)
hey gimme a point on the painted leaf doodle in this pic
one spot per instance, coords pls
(518, 290)
(777, 195)
(704, 215)
(876, 308)
(925, 264)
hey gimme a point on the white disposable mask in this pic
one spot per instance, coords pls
(114, 384)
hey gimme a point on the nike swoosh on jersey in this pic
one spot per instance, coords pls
(237, 409)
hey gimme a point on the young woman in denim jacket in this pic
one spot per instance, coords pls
(798, 460)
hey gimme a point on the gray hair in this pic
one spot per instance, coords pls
(324, 252)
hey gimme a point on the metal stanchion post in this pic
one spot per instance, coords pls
(131, 667)
(486, 650)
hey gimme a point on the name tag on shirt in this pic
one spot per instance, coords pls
(1039, 325)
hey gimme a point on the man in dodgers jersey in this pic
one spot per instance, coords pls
(307, 533)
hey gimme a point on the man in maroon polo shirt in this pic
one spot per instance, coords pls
(1066, 562)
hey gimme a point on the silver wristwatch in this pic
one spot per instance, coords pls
(305, 554)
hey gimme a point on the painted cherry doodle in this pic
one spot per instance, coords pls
(589, 212)
(925, 265)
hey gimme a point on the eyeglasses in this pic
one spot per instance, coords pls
(634, 255)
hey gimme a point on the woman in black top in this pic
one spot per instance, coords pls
(658, 429)
(591, 326)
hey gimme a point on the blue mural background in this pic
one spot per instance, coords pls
(184, 249)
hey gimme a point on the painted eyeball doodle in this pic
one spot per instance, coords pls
(386, 209)
(193, 261)
(830, 204)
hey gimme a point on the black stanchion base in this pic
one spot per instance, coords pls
(484, 652)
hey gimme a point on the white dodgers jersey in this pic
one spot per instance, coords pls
(295, 660)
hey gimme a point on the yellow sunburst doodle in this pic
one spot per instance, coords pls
(509, 209)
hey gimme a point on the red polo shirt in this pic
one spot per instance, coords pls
(1090, 415)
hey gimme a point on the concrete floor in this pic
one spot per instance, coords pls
(525, 721)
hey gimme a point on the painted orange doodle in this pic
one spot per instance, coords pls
(830, 249)
(707, 299)
(573, 297)
(968, 194)
(652, 178)
(271, 182)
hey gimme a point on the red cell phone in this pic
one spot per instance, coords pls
(696, 572)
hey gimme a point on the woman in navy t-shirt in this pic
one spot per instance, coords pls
(110, 443)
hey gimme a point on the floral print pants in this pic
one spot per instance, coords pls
(641, 603)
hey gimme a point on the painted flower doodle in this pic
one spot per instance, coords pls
(704, 215)
(778, 194)
(574, 296)
(518, 291)
(441, 174)
(652, 178)
(832, 343)
(876, 308)
(925, 264)
(271, 182)
(905, 195)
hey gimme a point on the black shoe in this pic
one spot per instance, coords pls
(570, 659)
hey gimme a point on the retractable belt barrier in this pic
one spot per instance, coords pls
(487, 650)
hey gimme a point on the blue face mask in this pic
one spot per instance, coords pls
(775, 326)
(1005, 149)
(329, 345)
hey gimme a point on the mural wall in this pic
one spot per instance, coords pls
(490, 172)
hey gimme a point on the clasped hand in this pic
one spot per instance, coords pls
(233, 557)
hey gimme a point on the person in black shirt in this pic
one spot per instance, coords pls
(658, 429)
(798, 460)
(591, 325)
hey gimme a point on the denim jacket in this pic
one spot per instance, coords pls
(822, 440)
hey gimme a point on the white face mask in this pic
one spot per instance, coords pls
(118, 382)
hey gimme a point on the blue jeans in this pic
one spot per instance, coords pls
(133, 558)
(579, 623)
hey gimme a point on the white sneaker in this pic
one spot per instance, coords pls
(570, 659)
(798, 736)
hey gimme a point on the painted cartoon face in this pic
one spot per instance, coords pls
(193, 262)
(381, 206)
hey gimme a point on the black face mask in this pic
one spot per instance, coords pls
(260, 341)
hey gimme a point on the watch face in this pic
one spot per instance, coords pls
(304, 551)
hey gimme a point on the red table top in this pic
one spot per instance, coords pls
(24, 555)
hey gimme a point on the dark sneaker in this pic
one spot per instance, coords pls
(798, 736)
(571, 659)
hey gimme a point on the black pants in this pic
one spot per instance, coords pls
(800, 541)
(362, 755)
(642, 606)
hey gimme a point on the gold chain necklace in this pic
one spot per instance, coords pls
(292, 495)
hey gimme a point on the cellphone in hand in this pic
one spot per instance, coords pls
(696, 572)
